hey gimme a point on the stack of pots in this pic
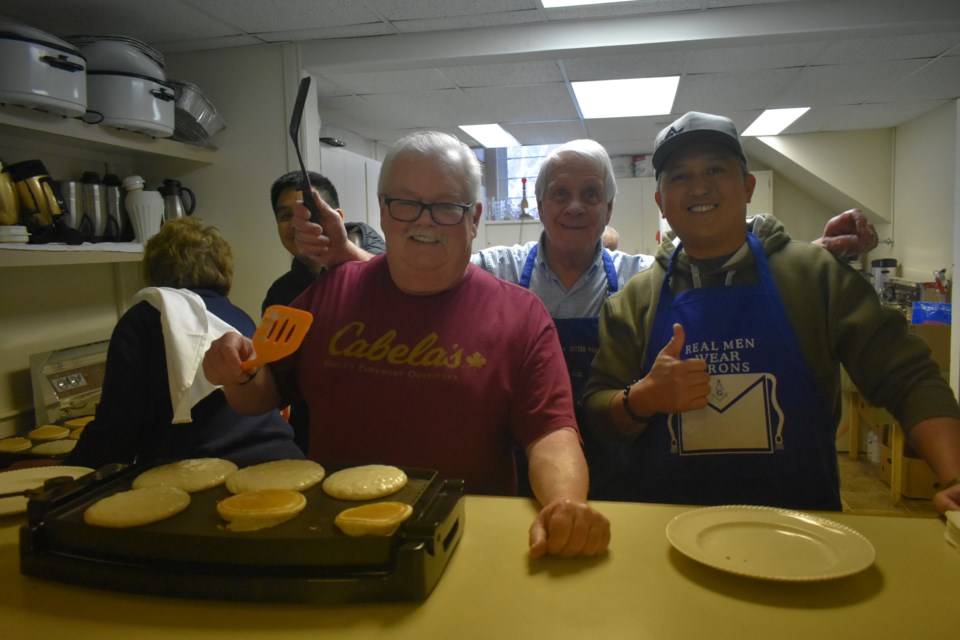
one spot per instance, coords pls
(126, 85)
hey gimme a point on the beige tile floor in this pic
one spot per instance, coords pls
(862, 491)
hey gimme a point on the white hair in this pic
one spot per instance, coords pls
(443, 146)
(589, 150)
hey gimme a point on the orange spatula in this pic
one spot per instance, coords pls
(280, 333)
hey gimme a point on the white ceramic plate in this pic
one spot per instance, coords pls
(30, 478)
(769, 543)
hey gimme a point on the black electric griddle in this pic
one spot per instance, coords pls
(193, 554)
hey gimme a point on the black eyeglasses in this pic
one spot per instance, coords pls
(443, 213)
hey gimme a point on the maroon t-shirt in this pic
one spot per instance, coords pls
(449, 382)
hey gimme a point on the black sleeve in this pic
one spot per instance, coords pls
(135, 399)
(370, 240)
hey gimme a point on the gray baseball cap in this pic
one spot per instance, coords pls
(691, 127)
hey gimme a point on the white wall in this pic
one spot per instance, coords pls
(249, 87)
(923, 197)
(803, 216)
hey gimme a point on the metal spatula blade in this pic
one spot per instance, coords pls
(295, 120)
(280, 333)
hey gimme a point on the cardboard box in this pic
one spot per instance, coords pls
(918, 479)
(937, 337)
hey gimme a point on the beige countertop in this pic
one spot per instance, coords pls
(642, 588)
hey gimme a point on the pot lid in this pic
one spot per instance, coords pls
(19, 31)
(82, 41)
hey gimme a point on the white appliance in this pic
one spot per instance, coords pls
(67, 382)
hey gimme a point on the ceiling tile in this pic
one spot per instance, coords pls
(322, 33)
(264, 16)
(730, 92)
(641, 65)
(536, 103)
(144, 20)
(931, 81)
(863, 116)
(843, 84)
(530, 133)
(441, 108)
(774, 56)
(508, 73)
(902, 47)
(370, 82)
(425, 9)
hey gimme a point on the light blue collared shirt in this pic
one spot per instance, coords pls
(584, 299)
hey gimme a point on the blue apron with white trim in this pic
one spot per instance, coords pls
(579, 337)
(580, 340)
(767, 434)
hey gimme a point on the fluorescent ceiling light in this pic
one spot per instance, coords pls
(626, 98)
(550, 4)
(773, 121)
(491, 136)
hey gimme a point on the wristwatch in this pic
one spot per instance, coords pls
(950, 484)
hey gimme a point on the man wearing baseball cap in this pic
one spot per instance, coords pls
(722, 361)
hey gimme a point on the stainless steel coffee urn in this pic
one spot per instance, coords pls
(882, 270)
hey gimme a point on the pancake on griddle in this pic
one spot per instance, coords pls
(254, 510)
(295, 475)
(14, 444)
(76, 423)
(374, 519)
(49, 432)
(196, 474)
(54, 447)
(366, 482)
(137, 507)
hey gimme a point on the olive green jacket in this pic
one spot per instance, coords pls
(836, 315)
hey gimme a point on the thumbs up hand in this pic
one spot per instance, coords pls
(674, 385)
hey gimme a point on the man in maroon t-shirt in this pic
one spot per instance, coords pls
(474, 358)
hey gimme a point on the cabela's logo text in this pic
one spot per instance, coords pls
(350, 343)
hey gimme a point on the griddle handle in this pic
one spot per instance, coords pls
(435, 523)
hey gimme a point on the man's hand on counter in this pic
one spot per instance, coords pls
(569, 528)
(947, 499)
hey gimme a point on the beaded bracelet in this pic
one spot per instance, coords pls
(626, 405)
(950, 484)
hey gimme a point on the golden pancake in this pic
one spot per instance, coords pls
(10, 445)
(75, 433)
(253, 510)
(137, 507)
(191, 475)
(294, 475)
(54, 447)
(366, 482)
(375, 519)
(49, 432)
(76, 423)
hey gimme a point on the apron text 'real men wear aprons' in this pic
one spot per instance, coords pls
(767, 435)
(580, 340)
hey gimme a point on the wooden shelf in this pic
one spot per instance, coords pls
(89, 254)
(17, 120)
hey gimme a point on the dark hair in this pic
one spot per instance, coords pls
(293, 180)
(187, 254)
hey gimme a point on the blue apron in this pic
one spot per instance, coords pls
(767, 434)
(580, 340)
(579, 337)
